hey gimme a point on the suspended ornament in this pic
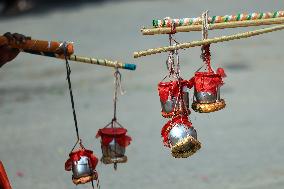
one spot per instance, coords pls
(82, 162)
(207, 84)
(113, 143)
(174, 98)
(179, 135)
(207, 88)
(174, 94)
(113, 136)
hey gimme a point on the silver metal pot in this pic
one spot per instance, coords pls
(172, 103)
(81, 168)
(113, 150)
(180, 132)
(207, 97)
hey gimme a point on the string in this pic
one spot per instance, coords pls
(117, 87)
(68, 73)
(174, 70)
(205, 49)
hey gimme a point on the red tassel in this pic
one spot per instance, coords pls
(4, 181)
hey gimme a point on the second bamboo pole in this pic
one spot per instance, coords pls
(167, 30)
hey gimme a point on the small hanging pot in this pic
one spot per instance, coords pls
(179, 135)
(113, 144)
(174, 98)
(207, 91)
(83, 164)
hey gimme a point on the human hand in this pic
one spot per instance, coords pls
(6, 52)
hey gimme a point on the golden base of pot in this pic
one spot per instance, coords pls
(84, 180)
(178, 112)
(186, 147)
(109, 160)
(208, 107)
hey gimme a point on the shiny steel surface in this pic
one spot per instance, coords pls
(172, 103)
(113, 150)
(81, 168)
(179, 132)
(185, 96)
(168, 106)
(205, 97)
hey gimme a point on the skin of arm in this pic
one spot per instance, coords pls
(7, 53)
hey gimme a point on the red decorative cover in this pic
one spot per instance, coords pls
(76, 156)
(208, 81)
(170, 124)
(221, 72)
(118, 134)
(4, 180)
(172, 88)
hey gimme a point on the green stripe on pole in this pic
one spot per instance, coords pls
(164, 23)
(275, 14)
(181, 22)
(226, 18)
(239, 17)
(155, 23)
(213, 19)
(249, 17)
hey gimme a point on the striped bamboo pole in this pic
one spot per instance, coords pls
(207, 41)
(88, 60)
(167, 22)
(223, 25)
(39, 45)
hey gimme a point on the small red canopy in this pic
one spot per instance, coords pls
(118, 134)
(172, 88)
(207, 82)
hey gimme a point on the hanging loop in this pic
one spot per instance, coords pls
(117, 87)
(205, 49)
(68, 73)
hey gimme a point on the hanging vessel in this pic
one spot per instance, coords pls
(113, 143)
(83, 164)
(179, 135)
(174, 98)
(207, 86)
(207, 92)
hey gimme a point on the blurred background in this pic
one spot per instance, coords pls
(243, 145)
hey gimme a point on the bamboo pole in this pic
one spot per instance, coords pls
(168, 22)
(235, 24)
(102, 62)
(88, 60)
(207, 41)
(38, 45)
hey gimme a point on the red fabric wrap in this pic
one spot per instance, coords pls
(172, 88)
(170, 124)
(221, 72)
(118, 134)
(207, 82)
(76, 156)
